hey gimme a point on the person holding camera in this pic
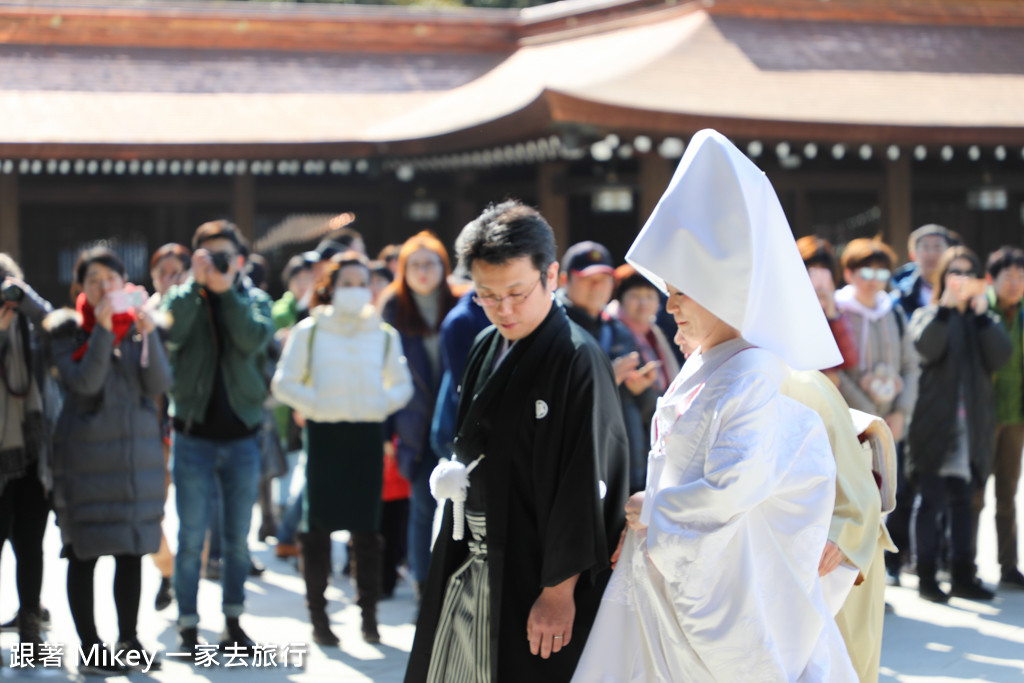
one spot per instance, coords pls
(25, 477)
(220, 330)
(883, 380)
(108, 461)
(950, 442)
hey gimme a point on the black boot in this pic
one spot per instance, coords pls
(189, 639)
(966, 583)
(367, 550)
(322, 633)
(316, 568)
(29, 628)
(234, 640)
(892, 569)
(927, 586)
(165, 594)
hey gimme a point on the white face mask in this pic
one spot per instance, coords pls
(350, 299)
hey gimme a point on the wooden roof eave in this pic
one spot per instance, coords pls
(550, 111)
(566, 108)
(226, 151)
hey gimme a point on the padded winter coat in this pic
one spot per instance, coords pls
(108, 458)
(956, 350)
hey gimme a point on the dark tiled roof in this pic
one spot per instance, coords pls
(141, 70)
(787, 45)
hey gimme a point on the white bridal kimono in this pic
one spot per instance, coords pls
(723, 585)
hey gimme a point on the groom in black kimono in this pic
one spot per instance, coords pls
(538, 399)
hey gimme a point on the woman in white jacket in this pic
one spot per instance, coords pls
(343, 370)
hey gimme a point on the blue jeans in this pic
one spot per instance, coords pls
(215, 525)
(421, 523)
(290, 521)
(199, 466)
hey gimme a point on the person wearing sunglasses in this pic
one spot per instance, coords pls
(884, 380)
(950, 442)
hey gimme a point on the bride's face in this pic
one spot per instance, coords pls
(697, 326)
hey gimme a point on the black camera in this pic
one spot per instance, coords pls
(221, 261)
(11, 292)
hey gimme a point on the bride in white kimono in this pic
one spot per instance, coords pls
(717, 579)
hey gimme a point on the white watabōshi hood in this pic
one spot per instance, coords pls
(719, 235)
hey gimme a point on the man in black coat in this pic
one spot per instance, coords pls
(539, 416)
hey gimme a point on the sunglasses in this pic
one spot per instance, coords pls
(880, 274)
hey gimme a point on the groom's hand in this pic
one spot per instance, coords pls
(549, 626)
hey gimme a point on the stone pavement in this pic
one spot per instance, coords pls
(962, 641)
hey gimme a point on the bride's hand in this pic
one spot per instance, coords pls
(633, 507)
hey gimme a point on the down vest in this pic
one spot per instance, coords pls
(356, 372)
(108, 459)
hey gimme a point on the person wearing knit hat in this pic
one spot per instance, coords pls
(717, 575)
(587, 282)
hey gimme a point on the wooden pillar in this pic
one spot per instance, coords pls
(243, 205)
(464, 209)
(898, 205)
(553, 201)
(10, 232)
(655, 174)
(800, 222)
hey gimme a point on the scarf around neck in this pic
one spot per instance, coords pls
(122, 323)
(846, 301)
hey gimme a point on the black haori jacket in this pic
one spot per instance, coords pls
(549, 422)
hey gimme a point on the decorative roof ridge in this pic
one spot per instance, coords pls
(228, 25)
(241, 9)
(996, 13)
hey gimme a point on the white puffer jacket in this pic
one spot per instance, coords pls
(349, 377)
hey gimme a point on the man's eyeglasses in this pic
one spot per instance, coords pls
(491, 301)
(880, 274)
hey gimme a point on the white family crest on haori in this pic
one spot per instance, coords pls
(719, 235)
(541, 409)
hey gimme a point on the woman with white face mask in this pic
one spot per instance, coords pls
(343, 370)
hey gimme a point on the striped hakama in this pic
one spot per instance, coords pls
(462, 650)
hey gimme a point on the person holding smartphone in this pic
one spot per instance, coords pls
(950, 443)
(108, 461)
(587, 283)
(636, 306)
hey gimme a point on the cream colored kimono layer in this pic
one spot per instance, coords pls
(857, 526)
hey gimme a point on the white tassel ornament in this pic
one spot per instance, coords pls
(449, 481)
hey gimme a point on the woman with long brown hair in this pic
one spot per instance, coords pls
(415, 304)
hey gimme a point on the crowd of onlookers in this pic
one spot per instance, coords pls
(935, 348)
(345, 390)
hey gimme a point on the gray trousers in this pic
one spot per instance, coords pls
(1006, 467)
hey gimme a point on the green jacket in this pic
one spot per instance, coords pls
(192, 346)
(1008, 381)
(285, 311)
